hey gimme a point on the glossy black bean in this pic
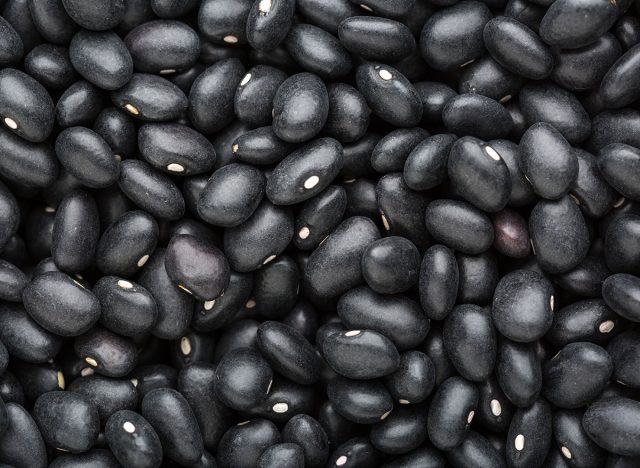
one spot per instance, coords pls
(319, 216)
(452, 37)
(133, 440)
(592, 192)
(150, 377)
(25, 106)
(355, 452)
(284, 455)
(451, 412)
(519, 372)
(363, 402)
(478, 276)
(426, 164)
(127, 243)
(529, 436)
(211, 315)
(79, 105)
(521, 191)
(487, 77)
(357, 157)
(494, 411)
(317, 51)
(621, 242)
(107, 394)
(52, 21)
(627, 31)
(16, 12)
(619, 164)
(150, 190)
(22, 443)
(51, 66)
(402, 431)
(559, 235)
(433, 96)
(621, 292)
(327, 14)
(425, 456)
(309, 435)
(583, 68)
(391, 8)
(212, 95)
(243, 444)
(576, 447)
(348, 117)
(511, 234)
(582, 362)
(391, 265)
(12, 282)
(11, 48)
(587, 320)
(150, 98)
(175, 308)
(96, 16)
(389, 94)
(170, 415)
(615, 126)
(38, 379)
(253, 100)
(459, 225)
(613, 424)
(260, 147)
(67, 420)
(118, 131)
(101, 58)
(375, 38)
(268, 23)
(625, 352)
(517, 48)
(224, 21)
(458, 113)
(392, 151)
(414, 379)
(108, 354)
(569, 24)
(285, 399)
(438, 283)
(243, 378)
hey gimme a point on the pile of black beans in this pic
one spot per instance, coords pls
(319, 233)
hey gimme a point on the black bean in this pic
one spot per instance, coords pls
(621, 242)
(625, 352)
(118, 131)
(451, 412)
(98, 16)
(452, 37)
(317, 51)
(393, 150)
(150, 377)
(309, 435)
(51, 66)
(355, 452)
(426, 164)
(620, 292)
(67, 420)
(253, 100)
(425, 456)
(615, 126)
(319, 216)
(285, 399)
(260, 147)
(170, 415)
(357, 157)
(150, 98)
(284, 455)
(575, 446)
(438, 282)
(595, 196)
(79, 105)
(269, 22)
(414, 379)
(588, 320)
(108, 354)
(224, 21)
(25, 106)
(391, 265)
(132, 440)
(582, 362)
(529, 436)
(211, 315)
(402, 431)
(390, 8)
(559, 235)
(243, 444)
(458, 111)
(11, 48)
(519, 372)
(361, 354)
(619, 164)
(389, 94)
(517, 48)
(38, 379)
(22, 444)
(375, 38)
(107, 394)
(363, 402)
(612, 423)
(52, 21)
(487, 77)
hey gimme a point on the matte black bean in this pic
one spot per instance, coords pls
(288, 352)
(319, 216)
(305, 172)
(389, 94)
(51, 66)
(96, 16)
(517, 48)
(612, 423)
(594, 195)
(570, 24)
(355, 452)
(67, 420)
(438, 283)
(60, 304)
(451, 412)
(363, 402)
(334, 267)
(171, 9)
(38, 379)
(11, 48)
(317, 51)
(615, 126)
(212, 93)
(519, 372)
(575, 445)
(458, 113)
(529, 436)
(52, 21)
(127, 243)
(16, 12)
(470, 341)
(10, 389)
(243, 444)
(253, 100)
(211, 315)
(361, 354)
(22, 443)
(375, 38)
(511, 234)
(107, 353)
(284, 455)
(621, 242)
(391, 265)
(619, 164)
(79, 105)
(402, 431)
(127, 308)
(348, 117)
(107, 394)
(478, 277)
(425, 456)
(285, 399)
(433, 95)
(414, 380)
(118, 131)
(627, 31)
(452, 37)
(487, 77)
(582, 362)
(224, 21)
(260, 147)
(175, 308)
(75, 232)
(621, 292)
(584, 68)
(150, 190)
(426, 164)
(260, 238)
(459, 226)
(357, 157)
(587, 320)
(101, 58)
(25, 106)
(12, 282)
(173, 420)
(268, 23)
(391, 8)
(521, 191)
(362, 308)
(150, 98)
(150, 377)
(243, 378)
(392, 151)
(9, 215)
(559, 235)
(494, 411)
(308, 434)
(133, 440)
(625, 352)
(361, 199)
(327, 14)
(302, 90)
